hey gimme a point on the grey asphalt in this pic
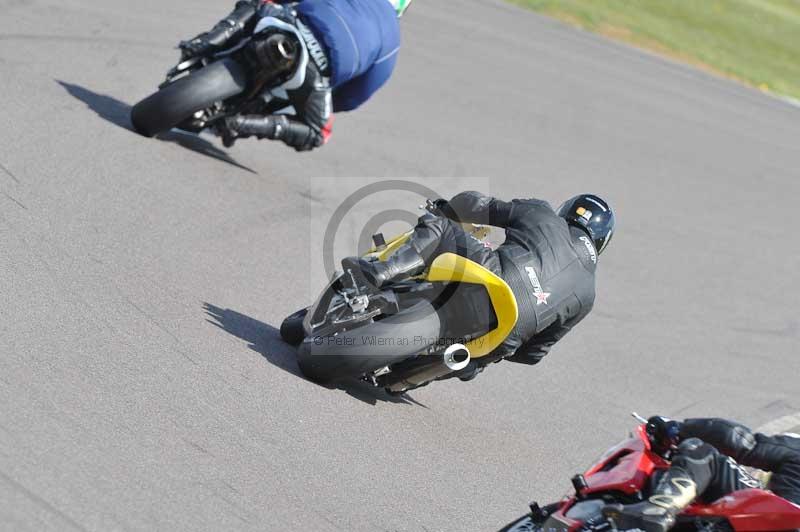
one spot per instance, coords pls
(142, 382)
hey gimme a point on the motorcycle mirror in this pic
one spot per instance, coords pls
(579, 484)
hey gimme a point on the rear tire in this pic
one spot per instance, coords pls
(372, 346)
(165, 109)
(292, 330)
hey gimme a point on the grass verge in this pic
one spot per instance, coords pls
(754, 41)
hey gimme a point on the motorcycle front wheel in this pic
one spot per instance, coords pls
(292, 330)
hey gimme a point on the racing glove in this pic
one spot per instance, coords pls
(440, 206)
(225, 30)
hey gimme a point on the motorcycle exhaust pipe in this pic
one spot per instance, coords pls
(455, 358)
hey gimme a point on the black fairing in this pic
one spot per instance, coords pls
(401, 321)
(466, 311)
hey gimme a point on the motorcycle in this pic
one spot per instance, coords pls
(199, 92)
(627, 473)
(409, 333)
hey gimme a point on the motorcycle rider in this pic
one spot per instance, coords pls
(706, 463)
(548, 259)
(335, 53)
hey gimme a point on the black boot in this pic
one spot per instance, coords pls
(675, 491)
(243, 126)
(403, 263)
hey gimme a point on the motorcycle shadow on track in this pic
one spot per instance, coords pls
(118, 113)
(265, 340)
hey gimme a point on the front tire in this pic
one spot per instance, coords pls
(165, 109)
(292, 330)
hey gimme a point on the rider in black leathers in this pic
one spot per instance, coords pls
(548, 259)
(707, 464)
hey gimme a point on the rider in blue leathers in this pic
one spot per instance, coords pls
(351, 48)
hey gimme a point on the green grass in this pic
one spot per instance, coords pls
(755, 41)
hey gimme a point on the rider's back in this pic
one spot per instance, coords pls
(362, 38)
(549, 267)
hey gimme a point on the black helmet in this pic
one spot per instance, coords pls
(592, 214)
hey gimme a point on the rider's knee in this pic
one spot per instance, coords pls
(695, 449)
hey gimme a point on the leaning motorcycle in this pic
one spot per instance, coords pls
(409, 333)
(627, 473)
(201, 91)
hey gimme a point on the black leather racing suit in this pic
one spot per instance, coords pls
(713, 449)
(549, 266)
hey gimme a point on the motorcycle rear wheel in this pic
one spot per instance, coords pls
(165, 109)
(367, 348)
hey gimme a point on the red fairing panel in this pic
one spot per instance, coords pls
(632, 462)
(751, 510)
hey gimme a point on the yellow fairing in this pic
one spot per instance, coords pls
(449, 267)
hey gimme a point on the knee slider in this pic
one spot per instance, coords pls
(691, 444)
(741, 437)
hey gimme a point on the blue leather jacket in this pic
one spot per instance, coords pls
(362, 40)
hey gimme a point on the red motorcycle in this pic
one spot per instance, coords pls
(627, 473)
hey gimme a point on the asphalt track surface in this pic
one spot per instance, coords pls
(142, 382)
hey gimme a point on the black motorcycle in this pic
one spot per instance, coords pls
(200, 92)
(409, 333)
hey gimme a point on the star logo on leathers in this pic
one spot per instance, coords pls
(541, 295)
